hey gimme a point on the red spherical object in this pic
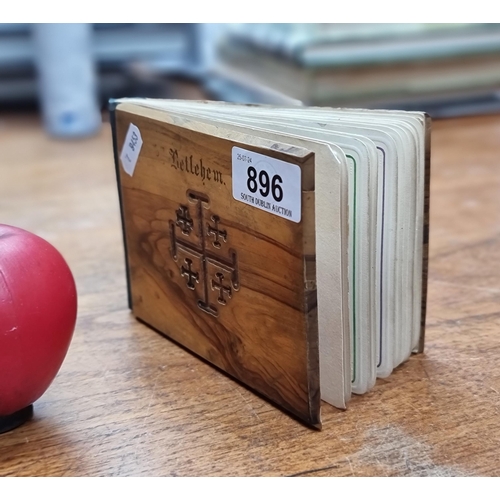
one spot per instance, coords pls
(38, 306)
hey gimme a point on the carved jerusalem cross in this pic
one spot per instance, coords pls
(205, 268)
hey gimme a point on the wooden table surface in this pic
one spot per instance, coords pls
(128, 402)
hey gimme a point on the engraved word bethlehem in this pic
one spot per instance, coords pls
(186, 164)
(198, 250)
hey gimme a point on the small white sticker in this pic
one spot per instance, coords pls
(131, 149)
(267, 183)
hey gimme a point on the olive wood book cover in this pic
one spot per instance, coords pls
(233, 284)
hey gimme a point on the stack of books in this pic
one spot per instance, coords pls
(397, 66)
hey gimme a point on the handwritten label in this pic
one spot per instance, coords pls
(131, 149)
(267, 183)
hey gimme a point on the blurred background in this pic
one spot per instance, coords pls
(68, 72)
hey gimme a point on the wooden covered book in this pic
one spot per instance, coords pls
(286, 246)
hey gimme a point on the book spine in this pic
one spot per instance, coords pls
(112, 119)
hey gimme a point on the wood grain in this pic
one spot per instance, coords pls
(128, 402)
(224, 280)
